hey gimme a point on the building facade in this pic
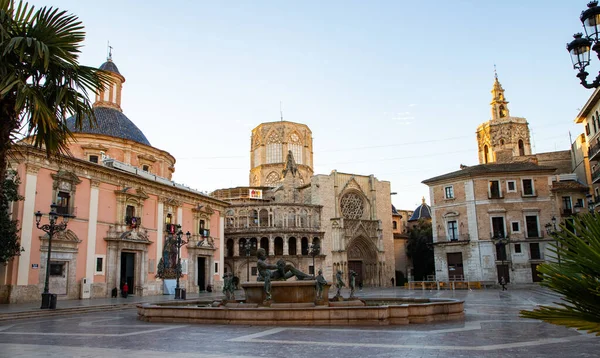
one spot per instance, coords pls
(124, 207)
(287, 209)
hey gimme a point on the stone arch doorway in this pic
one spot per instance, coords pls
(362, 259)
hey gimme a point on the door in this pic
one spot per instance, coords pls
(455, 266)
(202, 273)
(356, 266)
(535, 275)
(128, 271)
(503, 271)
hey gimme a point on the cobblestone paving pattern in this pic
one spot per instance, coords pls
(492, 328)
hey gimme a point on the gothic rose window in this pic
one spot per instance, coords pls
(352, 206)
(272, 179)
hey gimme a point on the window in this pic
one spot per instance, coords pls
(216, 267)
(521, 148)
(570, 224)
(56, 269)
(145, 168)
(515, 226)
(579, 203)
(528, 187)
(534, 251)
(485, 154)
(452, 230)
(62, 202)
(99, 265)
(495, 189)
(274, 153)
(449, 192)
(531, 223)
(395, 225)
(129, 214)
(253, 271)
(93, 159)
(498, 227)
(587, 129)
(311, 270)
(511, 186)
(566, 205)
(517, 248)
(296, 152)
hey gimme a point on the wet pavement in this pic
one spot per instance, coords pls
(492, 328)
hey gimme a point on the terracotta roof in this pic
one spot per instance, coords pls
(570, 185)
(492, 168)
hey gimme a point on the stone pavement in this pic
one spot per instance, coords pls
(492, 328)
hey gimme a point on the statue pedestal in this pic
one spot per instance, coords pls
(284, 291)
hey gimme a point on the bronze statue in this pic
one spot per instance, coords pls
(320, 283)
(339, 283)
(279, 272)
(229, 287)
(352, 282)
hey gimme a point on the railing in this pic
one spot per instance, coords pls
(595, 175)
(595, 149)
(456, 238)
(66, 210)
(566, 211)
(133, 221)
(495, 196)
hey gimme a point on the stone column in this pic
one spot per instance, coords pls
(271, 245)
(27, 224)
(90, 262)
(160, 232)
(286, 246)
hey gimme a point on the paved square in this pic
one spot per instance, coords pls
(492, 329)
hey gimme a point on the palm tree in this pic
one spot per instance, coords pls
(41, 81)
(576, 277)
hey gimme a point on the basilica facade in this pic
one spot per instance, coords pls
(124, 209)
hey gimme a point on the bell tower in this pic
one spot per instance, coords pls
(503, 138)
(110, 96)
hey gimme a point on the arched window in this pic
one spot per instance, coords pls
(264, 244)
(230, 248)
(229, 218)
(395, 224)
(264, 218)
(485, 154)
(242, 246)
(291, 218)
(521, 147)
(274, 149)
(272, 179)
(295, 145)
(292, 246)
(304, 246)
(278, 246)
(254, 245)
(253, 218)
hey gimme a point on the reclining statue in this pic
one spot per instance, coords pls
(279, 272)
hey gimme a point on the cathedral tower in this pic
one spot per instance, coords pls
(269, 146)
(503, 138)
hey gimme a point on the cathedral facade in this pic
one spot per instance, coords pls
(290, 212)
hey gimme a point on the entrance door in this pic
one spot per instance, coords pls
(535, 275)
(455, 266)
(356, 266)
(202, 273)
(128, 271)
(503, 271)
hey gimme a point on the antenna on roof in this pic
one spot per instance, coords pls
(109, 48)
(280, 111)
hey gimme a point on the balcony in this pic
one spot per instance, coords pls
(133, 221)
(566, 212)
(460, 239)
(66, 211)
(596, 176)
(593, 152)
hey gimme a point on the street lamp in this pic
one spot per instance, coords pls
(53, 227)
(315, 249)
(551, 230)
(501, 241)
(180, 242)
(248, 246)
(580, 47)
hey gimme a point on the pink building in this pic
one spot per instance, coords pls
(125, 207)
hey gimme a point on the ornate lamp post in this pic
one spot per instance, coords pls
(501, 242)
(551, 230)
(248, 248)
(180, 242)
(315, 249)
(580, 47)
(53, 227)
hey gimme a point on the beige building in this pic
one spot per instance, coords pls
(400, 230)
(287, 209)
(587, 146)
(495, 219)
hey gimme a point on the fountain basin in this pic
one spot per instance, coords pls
(283, 291)
(382, 311)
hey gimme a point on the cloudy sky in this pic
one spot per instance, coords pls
(390, 88)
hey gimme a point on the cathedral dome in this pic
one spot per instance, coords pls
(111, 122)
(422, 211)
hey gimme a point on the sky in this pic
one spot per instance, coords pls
(390, 88)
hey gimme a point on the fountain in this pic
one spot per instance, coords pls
(274, 300)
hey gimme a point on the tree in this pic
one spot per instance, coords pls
(41, 81)
(419, 249)
(576, 276)
(9, 239)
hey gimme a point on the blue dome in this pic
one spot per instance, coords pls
(111, 122)
(423, 211)
(110, 66)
